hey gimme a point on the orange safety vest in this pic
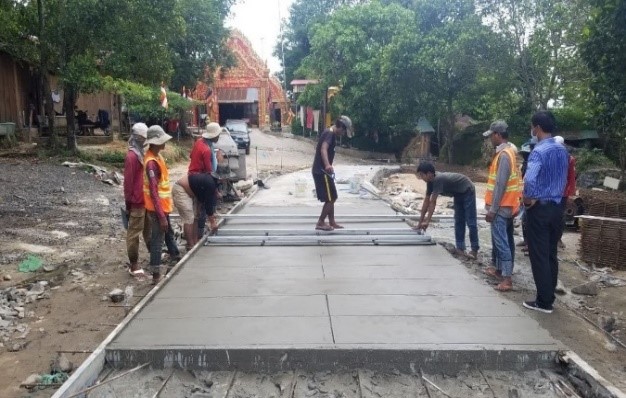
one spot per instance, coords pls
(512, 193)
(165, 191)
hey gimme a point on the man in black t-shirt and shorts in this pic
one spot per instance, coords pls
(461, 188)
(324, 174)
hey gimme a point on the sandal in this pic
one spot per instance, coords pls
(504, 286)
(323, 227)
(493, 272)
(138, 274)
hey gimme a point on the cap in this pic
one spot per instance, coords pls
(559, 140)
(156, 136)
(499, 126)
(140, 129)
(345, 120)
(212, 130)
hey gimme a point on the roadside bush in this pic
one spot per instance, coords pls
(587, 159)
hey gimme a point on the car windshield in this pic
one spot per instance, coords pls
(237, 126)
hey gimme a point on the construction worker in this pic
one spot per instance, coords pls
(502, 201)
(323, 172)
(459, 187)
(138, 223)
(158, 199)
(204, 158)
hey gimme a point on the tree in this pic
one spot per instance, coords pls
(83, 40)
(542, 37)
(347, 50)
(604, 51)
(303, 14)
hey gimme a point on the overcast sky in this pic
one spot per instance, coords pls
(259, 20)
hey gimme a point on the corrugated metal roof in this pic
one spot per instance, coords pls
(579, 135)
(237, 95)
(424, 126)
(303, 82)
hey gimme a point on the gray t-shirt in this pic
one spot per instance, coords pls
(449, 184)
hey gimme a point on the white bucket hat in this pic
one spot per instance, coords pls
(140, 129)
(156, 136)
(212, 130)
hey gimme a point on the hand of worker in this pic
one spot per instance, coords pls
(490, 217)
(329, 169)
(163, 224)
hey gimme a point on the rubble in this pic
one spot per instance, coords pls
(61, 364)
(116, 295)
(587, 289)
(6, 277)
(12, 308)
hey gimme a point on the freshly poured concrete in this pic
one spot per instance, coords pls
(326, 307)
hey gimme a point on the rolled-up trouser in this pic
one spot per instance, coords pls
(502, 244)
(138, 224)
(156, 241)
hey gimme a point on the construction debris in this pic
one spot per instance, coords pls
(587, 289)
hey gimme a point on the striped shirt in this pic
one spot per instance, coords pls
(546, 174)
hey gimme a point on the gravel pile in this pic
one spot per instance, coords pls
(13, 303)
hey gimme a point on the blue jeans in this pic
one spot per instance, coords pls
(156, 241)
(465, 214)
(502, 244)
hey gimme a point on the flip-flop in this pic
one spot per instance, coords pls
(503, 287)
(138, 274)
(492, 272)
(337, 226)
(324, 228)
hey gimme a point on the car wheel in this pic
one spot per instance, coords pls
(248, 150)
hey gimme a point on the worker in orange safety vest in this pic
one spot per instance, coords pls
(502, 201)
(158, 200)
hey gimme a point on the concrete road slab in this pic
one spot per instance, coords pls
(326, 307)
(434, 306)
(222, 307)
(221, 332)
(180, 287)
(437, 330)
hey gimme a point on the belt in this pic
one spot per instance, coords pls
(547, 202)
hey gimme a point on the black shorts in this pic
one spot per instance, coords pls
(325, 188)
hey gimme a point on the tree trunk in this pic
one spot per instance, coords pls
(69, 102)
(45, 97)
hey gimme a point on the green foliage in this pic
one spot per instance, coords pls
(604, 51)
(587, 159)
(114, 158)
(303, 14)
(144, 101)
(572, 119)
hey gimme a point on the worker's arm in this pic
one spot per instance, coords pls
(152, 170)
(131, 164)
(502, 179)
(325, 162)
(428, 208)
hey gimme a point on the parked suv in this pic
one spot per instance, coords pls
(240, 133)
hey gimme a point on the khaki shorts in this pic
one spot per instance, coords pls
(183, 203)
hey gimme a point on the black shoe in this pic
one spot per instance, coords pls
(532, 305)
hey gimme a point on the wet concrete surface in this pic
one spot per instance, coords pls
(272, 308)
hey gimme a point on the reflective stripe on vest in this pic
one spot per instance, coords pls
(512, 193)
(164, 189)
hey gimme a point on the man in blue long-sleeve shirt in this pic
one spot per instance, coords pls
(544, 182)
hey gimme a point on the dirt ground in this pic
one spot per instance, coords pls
(70, 220)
